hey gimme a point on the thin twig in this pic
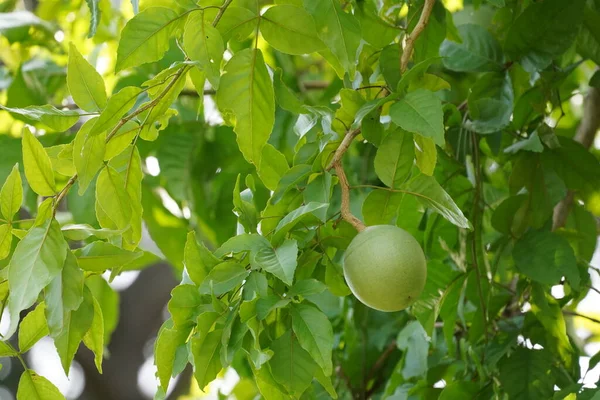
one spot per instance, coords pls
(412, 38)
(576, 314)
(345, 209)
(346, 142)
(477, 213)
(221, 12)
(380, 363)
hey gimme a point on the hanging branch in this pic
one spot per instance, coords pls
(412, 38)
(336, 161)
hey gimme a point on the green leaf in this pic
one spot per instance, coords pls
(35, 387)
(491, 102)
(432, 195)
(113, 205)
(32, 328)
(129, 166)
(63, 295)
(205, 352)
(237, 23)
(264, 306)
(184, 303)
(203, 43)
(53, 118)
(281, 261)
(340, 31)
(5, 240)
(273, 166)
(389, 62)
(109, 302)
(299, 214)
(306, 287)
(117, 106)
(291, 366)
(314, 333)
(6, 350)
(38, 168)
(243, 207)
(544, 31)
(246, 97)
(256, 286)
(527, 374)
(545, 257)
(77, 324)
(85, 231)
(319, 191)
(588, 40)
(548, 311)
(375, 30)
(426, 154)
(532, 143)
(394, 158)
(414, 341)
(290, 30)
(286, 98)
(94, 6)
(38, 258)
(292, 177)
(167, 343)
(243, 242)
(100, 256)
(478, 52)
(94, 337)
(11, 195)
(85, 83)
(145, 38)
(198, 259)
(574, 164)
(88, 154)
(381, 206)
(420, 112)
(223, 278)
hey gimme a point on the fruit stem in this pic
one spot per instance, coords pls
(345, 209)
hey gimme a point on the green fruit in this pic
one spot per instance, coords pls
(385, 268)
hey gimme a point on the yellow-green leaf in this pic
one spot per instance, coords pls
(112, 202)
(94, 337)
(5, 240)
(88, 154)
(35, 387)
(11, 195)
(38, 258)
(85, 83)
(32, 328)
(203, 43)
(38, 168)
(145, 38)
(246, 98)
(290, 29)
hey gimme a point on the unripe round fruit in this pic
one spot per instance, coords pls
(385, 268)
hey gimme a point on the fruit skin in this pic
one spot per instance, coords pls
(385, 268)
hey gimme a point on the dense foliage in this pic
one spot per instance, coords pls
(459, 127)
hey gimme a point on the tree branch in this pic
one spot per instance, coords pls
(346, 142)
(345, 209)
(585, 135)
(412, 38)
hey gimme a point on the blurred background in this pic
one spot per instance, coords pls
(190, 157)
